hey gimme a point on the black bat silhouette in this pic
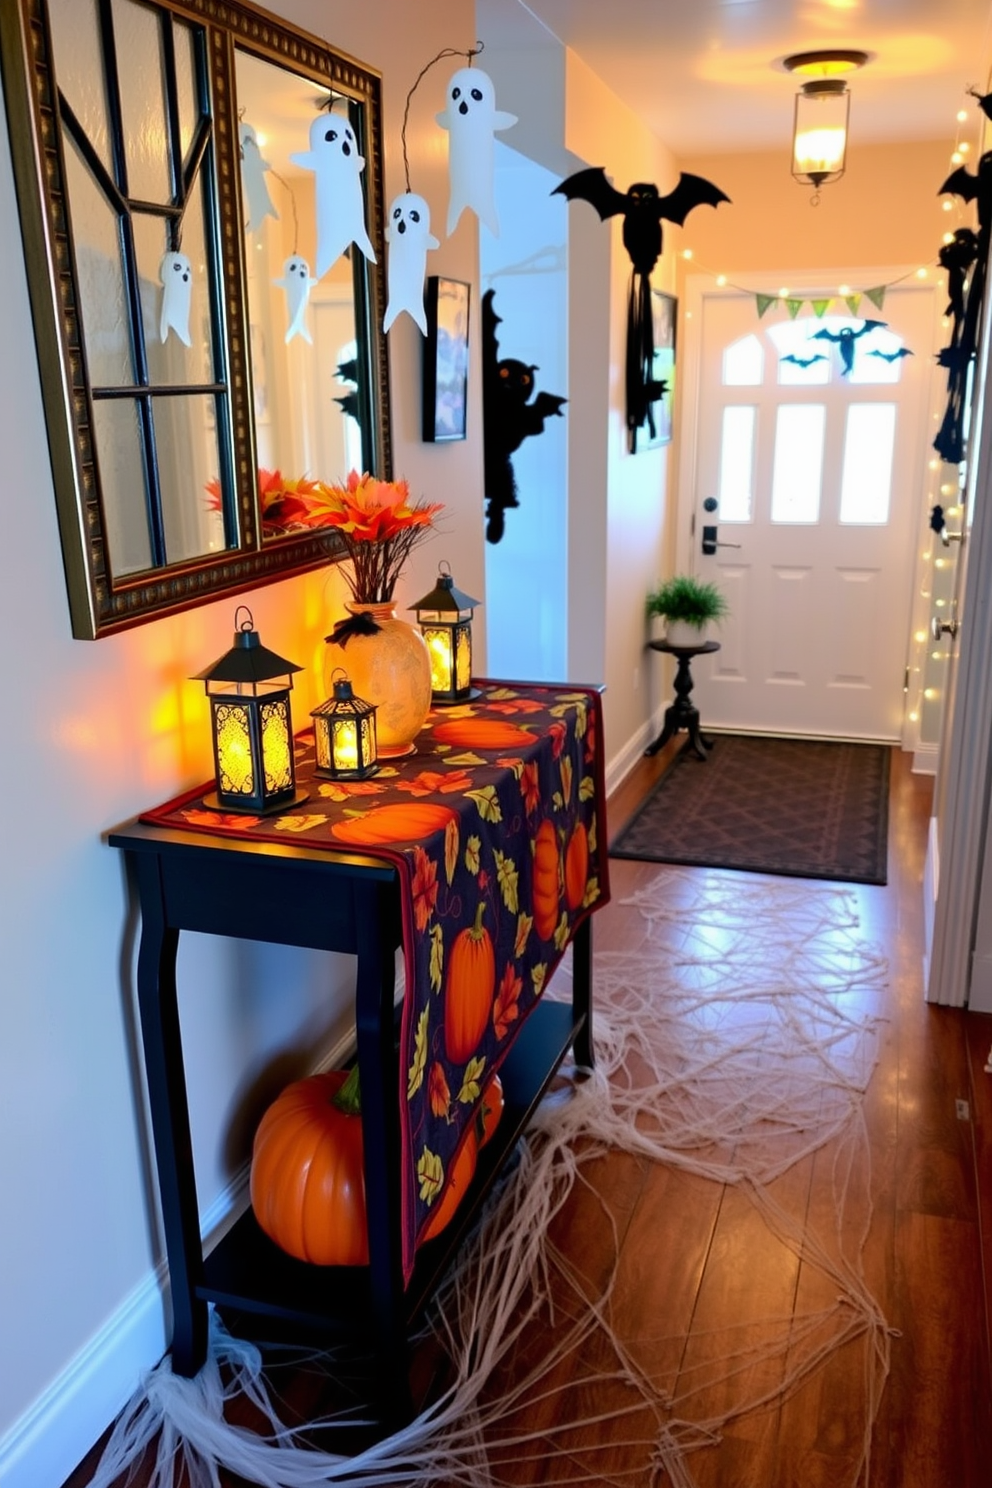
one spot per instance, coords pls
(844, 340)
(643, 212)
(977, 188)
(804, 361)
(892, 356)
(508, 416)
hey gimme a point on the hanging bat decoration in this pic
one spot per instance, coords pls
(799, 361)
(509, 417)
(176, 275)
(892, 356)
(471, 119)
(408, 233)
(846, 340)
(337, 166)
(296, 282)
(347, 372)
(957, 257)
(253, 182)
(643, 212)
(968, 302)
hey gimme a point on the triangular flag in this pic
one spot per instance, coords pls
(763, 302)
(819, 308)
(793, 307)
(877, 295)
(852, 302)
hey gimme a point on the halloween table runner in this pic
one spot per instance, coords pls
(496, 825)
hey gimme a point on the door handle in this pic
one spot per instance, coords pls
(939, 628)
(948, 537)
(710, 543)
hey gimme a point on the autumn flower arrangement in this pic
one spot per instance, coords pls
(375, 519)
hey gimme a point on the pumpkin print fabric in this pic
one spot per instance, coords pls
(496, 824)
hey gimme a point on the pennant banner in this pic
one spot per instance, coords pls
(763, 301)
(820, 308)
(793, 307)
(877, 295)
(852, 302)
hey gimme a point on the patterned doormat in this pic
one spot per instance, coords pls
(799, 807)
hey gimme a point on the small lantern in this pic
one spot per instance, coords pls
(823, 103)
(445, 620)
(252, 729)
(344, 734)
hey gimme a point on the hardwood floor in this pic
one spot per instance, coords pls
(928, 1115)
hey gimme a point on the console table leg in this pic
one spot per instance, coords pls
(160, 1032)
(377, 914)
(582, 1046)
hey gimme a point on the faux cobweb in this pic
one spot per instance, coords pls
(733, 1043)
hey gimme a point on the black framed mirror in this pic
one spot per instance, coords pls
(209, 334)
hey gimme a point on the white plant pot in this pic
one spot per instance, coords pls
(684, 633)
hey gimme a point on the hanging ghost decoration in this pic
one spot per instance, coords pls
(846, 340)
(408, 233)
(471, 118)
(296, 282)
(176, 275)
(643, 212)
(508, 417)
(960, 353)
(253, 182)
(337, 166)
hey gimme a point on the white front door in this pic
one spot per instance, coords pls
(811, 448)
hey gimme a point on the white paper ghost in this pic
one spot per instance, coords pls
(408, 233)
(253, 182)
(471, 118)
(297, 283)
(337, 166)
(176, 273)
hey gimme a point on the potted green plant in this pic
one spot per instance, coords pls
(687, 606)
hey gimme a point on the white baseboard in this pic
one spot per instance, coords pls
(620, 766)
(931, 881)
(925, 759)
(52, 1437)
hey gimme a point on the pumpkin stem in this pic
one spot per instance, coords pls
(349, 1098)
(476, 931)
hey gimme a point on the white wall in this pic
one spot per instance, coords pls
(92, 733)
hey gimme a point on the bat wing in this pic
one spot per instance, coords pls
(691, 191)
(871, 325)
(547, 404)
(592, 186)
(960, 183)
(824, 336)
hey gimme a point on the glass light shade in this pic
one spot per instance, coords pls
(251, 726)
(819, 136)
(344, 735)
(445, 619)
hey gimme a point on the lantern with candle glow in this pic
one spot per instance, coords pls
(344, 733)
(445, 620)
(251, 725)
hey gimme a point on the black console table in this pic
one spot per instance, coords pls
(681, 714)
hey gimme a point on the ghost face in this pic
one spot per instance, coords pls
(176, 273)
(408, 233)
(297, 283)
(471, 119)
(337, 166)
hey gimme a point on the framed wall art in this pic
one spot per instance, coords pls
(445, 379)
(664, 309)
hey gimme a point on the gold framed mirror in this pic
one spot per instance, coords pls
(206, 281)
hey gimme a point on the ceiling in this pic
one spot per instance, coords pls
(707, 75)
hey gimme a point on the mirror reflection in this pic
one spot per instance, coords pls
(205, 210)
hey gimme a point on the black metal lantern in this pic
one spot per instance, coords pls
(445, 620)
(823, 103)
(344, 734)
(252, 728)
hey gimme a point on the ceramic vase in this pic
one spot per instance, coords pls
(391, 669)
(684, 633)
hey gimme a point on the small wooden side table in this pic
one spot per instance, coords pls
(682, 714)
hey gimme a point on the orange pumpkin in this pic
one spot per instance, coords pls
(460, 1174)
(469, 988)
(307, 1171)
(482, 733)
(546, 872)
(490, 1110)
(405, 821)
(576, 866)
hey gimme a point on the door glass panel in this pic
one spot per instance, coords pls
(798, 467)
(882, 358)
(744, 363)
(187, 454)
(139, 51)
(803, 361)
(737, 463)
(866, 484)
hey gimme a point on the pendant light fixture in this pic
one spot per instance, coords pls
(819, 132)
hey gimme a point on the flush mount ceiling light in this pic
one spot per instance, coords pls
(819, 133)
